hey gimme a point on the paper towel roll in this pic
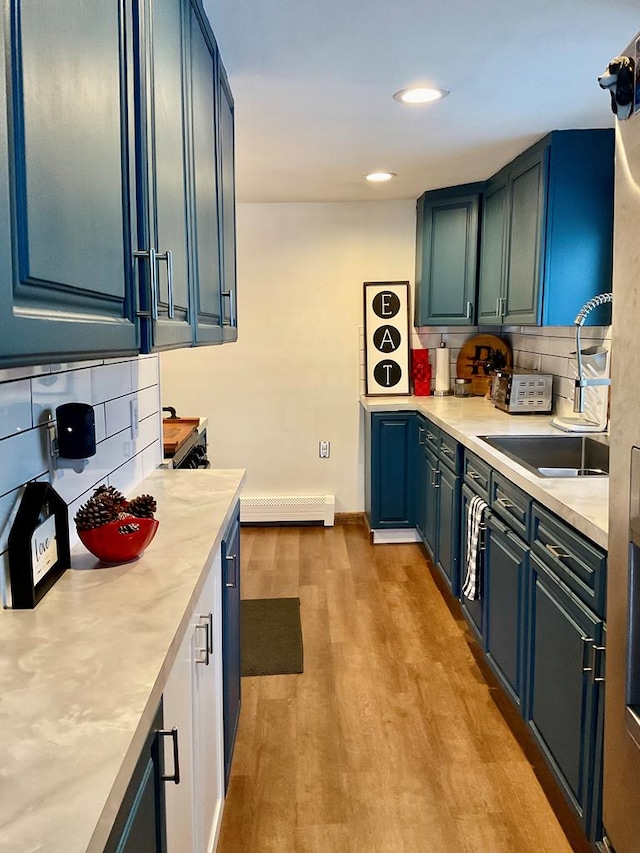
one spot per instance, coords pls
(443, 371)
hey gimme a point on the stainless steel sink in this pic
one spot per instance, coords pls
(555, 455)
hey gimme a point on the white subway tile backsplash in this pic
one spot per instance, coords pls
(152, 457)
(111, 380)
(15, 407)
(148, 430)
(146, 371)
(148, 402)
(101, 424)
(10, 374)
(23, 457)
(118, 414)
(127, 476)
(54, 389)
(64, 367)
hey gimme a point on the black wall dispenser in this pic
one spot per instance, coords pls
(72, 437)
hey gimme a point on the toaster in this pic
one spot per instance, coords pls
(521, 392)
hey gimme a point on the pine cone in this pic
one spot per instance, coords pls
(143, 506)
(110, 495)
(93, 514)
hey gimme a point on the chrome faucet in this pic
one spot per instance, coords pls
(581, 381)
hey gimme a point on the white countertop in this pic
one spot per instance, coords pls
(82, 675)
(581, 502)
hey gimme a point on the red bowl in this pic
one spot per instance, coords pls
(117, 542)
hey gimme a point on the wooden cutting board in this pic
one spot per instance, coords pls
(175, 431)
(472, 361)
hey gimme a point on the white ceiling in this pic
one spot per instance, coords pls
(313, 82)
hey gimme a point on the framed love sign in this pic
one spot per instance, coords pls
(386, 333)
(38, 545)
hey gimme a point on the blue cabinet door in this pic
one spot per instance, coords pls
(140, 823)
(527, 205)
(231, 640)
(66, 182)
(205, 224)
(392, 470)
(446, 256)
(163, 185)
(448, 533)
(506, 565)
(493, 250)
(431, 518)
(422, 470)
(561, 708)
(227, 210)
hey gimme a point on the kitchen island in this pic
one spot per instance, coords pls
(82, 675)
(583, 502)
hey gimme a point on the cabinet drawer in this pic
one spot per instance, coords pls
(423, 425)
(477, 474)
(432, 436)
(450, 452)
(579, 563)
(511, 504)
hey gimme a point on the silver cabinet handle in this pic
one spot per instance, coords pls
(233, 559)
(504, 503)
(175, 776)
(557, 552)
(498, 306)
(168, 257)
(469, 310)
(586, 642)
(436, 484)
(595, 664)
(431, 436)
(473, 475)
(503, 305)
(232, 305)
(151, 255)
(447, 450)
(205, 649)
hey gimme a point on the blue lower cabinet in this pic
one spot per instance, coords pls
(564, 659)
(231, 640)
(431, 517)
(473, 609)
(390, 459)
(506, 564)
(140, 823)
(448, 535)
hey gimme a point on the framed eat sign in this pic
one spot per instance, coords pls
(386, 335)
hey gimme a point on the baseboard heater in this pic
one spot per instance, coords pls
(291, 508)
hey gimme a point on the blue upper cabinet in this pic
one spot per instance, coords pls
(547, 233)
(493, 251)
(66, 182)
(116, 181)
(163, 201)
(446, 256)
(207, 282)
(226, 177)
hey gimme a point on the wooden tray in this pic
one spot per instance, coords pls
(175, 431)
(472, 359)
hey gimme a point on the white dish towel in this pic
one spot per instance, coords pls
(475, 511)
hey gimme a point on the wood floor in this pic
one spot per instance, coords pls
(390, 741)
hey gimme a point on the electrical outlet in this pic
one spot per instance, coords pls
(325, 449)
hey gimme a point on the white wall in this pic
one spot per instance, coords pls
(293, 377)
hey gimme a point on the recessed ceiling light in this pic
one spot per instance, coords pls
(379, 177)
(420, 95)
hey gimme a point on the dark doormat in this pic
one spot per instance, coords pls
(270, 636)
